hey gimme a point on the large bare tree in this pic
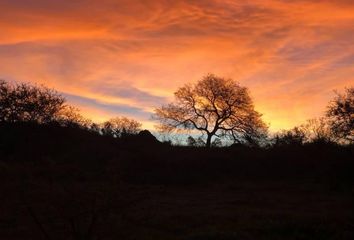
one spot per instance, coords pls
(216, 107)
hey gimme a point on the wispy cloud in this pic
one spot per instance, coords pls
(126, 57)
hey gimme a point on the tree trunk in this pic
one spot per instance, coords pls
(208, 142)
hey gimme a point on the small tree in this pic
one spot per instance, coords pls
(317, 130)
(340, 114)
(216, 107)
(295, 136)
(120, 127)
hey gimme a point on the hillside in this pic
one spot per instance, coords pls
(69, 183)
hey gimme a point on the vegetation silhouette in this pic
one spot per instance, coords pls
(121, 127)
(22, 102)
(64, 177)
(341, 115)
(216, 107)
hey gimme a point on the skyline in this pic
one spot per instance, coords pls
(123, 58)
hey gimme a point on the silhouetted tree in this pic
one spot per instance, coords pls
(26, 103)
(295, 136)
(23, 102)
(317, 130)
(216, 107)
(120, 127)
(69, 116)
(340, 114)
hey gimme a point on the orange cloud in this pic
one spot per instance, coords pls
(127, 57)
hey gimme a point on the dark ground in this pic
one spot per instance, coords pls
(60, 183)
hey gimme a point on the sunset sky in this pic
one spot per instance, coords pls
(125, 57)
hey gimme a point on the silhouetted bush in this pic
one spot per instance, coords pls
(295, 136)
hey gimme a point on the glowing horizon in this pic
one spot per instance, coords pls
(123, 58)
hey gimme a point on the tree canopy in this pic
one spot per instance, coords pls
(341, 115)
(23, 102)
(121, 127)
(214, 106)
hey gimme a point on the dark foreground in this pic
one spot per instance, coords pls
(68, 184)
